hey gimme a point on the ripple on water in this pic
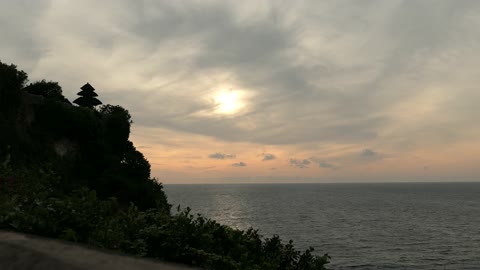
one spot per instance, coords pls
(362, 226)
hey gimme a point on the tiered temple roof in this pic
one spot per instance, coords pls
(87, 97)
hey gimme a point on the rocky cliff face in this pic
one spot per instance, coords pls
(19, 252)
(26, 117)
(26, 112)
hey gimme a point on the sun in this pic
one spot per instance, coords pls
(227, 102)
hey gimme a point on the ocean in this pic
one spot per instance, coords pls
(361, 226)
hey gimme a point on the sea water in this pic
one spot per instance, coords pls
(361, 226)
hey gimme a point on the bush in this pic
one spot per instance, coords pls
(182, 237)
(185, 238)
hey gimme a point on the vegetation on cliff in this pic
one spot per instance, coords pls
(70, 172)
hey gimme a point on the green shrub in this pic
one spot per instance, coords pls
(81, 216)
(185, 238)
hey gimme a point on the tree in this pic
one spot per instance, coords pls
(50, 90)
(87, 97)
(12, 81)
(116, 121)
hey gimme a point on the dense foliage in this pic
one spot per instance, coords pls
(85, 147)
(70, 172)
(50, 90)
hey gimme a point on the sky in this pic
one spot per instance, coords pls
(271, 91)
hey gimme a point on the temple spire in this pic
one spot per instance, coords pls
(87, 97)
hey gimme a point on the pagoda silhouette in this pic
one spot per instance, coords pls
(87, 97)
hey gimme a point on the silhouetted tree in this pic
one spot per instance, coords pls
(135, 164)
(11, 82)
(116, 121)
(87, 97)
(50, 90)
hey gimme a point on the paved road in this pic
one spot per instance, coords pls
(19, 252)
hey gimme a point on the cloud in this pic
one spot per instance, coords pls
(221, 156)
(200, 167)
(161, 54)
(239, 164)
(326, 165)
(301, 164)
(21, 34)
(368, 153)
(323, 164)
(311, 73)
(267, 157)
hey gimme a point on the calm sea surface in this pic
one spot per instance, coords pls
(362, 226)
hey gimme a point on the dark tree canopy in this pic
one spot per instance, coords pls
(12, 79)
(11, 82)
(87, 97)
(116, 121)
(96, 152)
(50, 90)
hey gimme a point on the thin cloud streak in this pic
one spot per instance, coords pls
(221, 156)
(239, 164)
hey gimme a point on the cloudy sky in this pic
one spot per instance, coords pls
(271, 91)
